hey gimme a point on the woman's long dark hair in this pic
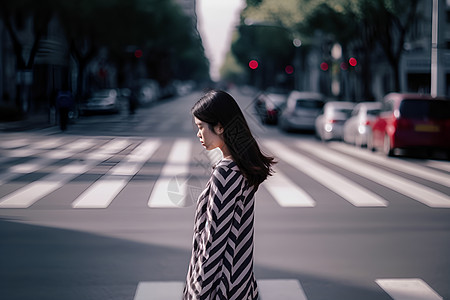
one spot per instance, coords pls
(219, 107)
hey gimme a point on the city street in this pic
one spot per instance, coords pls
(105, 210)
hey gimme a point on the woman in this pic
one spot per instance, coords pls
(221, 265)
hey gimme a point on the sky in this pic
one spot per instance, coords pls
(216, 22)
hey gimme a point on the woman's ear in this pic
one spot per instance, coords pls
(218, 129)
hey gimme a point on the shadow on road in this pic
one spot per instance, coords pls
(49, 263)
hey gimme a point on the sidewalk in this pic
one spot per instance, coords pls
(34, 122)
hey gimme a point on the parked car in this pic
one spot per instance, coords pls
(358, 128)
(106, 100)
(412, 121)
(300, 111)
(330, 123)
(268, 104)
(148, 92)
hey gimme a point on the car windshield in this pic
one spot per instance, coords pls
(344, 111)
(309, 104)
(104, 93)
(373, 112)
(423, 109)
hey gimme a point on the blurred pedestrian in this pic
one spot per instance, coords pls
(221, 265)
(64, 103)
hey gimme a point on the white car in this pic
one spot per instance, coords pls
(357, 129)
(300, 111)
(329, 125)
(106, 100)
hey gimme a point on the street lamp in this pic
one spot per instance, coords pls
(297, 43)
(336, 53)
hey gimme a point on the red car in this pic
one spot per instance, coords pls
(412, 121)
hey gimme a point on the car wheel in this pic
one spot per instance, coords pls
(358, 141)
(387, 146)
(282, 124)
(370, 145)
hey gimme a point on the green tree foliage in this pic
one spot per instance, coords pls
(159, 28)
(387, 22)
(270, 45)
(361, 24)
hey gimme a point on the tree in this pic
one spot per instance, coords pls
(166, 37)
(269, 44)
(389, 21)
(14, 15)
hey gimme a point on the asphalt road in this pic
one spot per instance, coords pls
(107, 206)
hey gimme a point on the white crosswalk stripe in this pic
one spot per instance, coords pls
(28, 195)
(355, 194)
(171, 186)
(285, 289)
(50, 143)
(176, 168)
(444, 166)
(103, 191)
(408, 289)
(403, 166)
(16, 143)
(286, 192)
(413, 190)
(291, 289)
(46, 159)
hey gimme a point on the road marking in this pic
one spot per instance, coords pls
(442, 165)
(46, 159)
(350, 191)
(289, 289)
(159, 290)
(286, 192)
(421, 193)
(103, 191)
(14, 143)
(176, 167)
(285, 289)
(39, 163)
(80, 145)
(29, 194)
(403, 166)
(408, 289)
(48, 143)
(21, 153)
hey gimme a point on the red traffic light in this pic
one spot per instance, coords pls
(324, 66)
(253, 64)
(289, 69)
(352, 61)
(138, 53)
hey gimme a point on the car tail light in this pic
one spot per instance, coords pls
(331, 121)
(447, 123)
(365, 123)
(271, 112)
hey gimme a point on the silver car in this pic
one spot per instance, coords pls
(301, 110)
(329, 125)
(357, 129)
(106, 100)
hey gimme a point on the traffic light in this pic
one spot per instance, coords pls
(253, 64)
(138, 53)
(324, 66)
(352, 62)
(289, 69)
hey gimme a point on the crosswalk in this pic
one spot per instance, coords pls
(291, 289)
(62, 160)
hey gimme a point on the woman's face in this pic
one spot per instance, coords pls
(209, 139)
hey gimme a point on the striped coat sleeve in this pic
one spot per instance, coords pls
(221, 213)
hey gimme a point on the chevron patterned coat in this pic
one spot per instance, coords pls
(221, 265)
